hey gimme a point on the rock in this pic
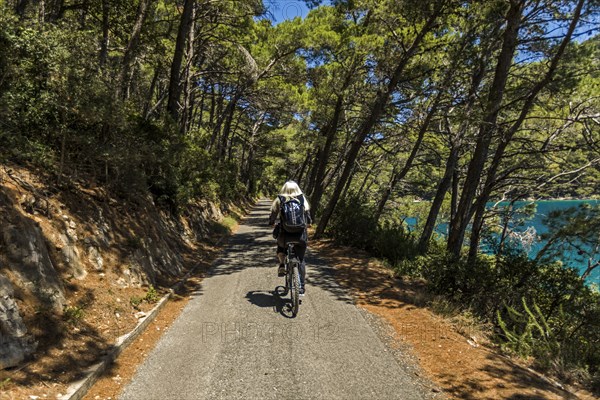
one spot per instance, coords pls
(140, 315)
(30, 262)
(72, 257)
(28, 202)
(72, 235)
(122, 283)
(95, 258)
(15, 344)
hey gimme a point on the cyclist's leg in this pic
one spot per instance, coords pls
(281, 252)
(281, 257)
(300, 249)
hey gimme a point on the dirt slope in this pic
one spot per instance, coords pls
(78, 268)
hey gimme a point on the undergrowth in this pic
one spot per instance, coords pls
(531, 308)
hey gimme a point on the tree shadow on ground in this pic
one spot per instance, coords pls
(496, 376)
(353, 280)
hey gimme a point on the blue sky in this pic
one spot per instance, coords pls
(280, 10)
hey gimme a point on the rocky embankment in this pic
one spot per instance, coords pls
(64, 246)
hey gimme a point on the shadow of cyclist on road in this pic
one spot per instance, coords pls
(265, 299)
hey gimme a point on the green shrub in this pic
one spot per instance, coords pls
(353, 223)
(393, 243)
(135, 301)
(73, 315)
(152, 295)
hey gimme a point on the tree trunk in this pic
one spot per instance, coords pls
(216, 108)
(63, 153)
(185, 25)
(230, 112)
(248, 165)
(241, 90)
(487, 128)
(348, 182)
(188, 88)
(329, 132)
(397, 177)
(123, 78)
(57, 11)
(309, 185)
(231, 143)
(323, 157)
(105, 33)
(85, 8)
(490, 181)
(299, 176)
(370, 172)
(151, 91)
(200, 108)
(450, 173)
(440, 194)
(21, 7)
(454, 195)
(211, 114)
(375, 112)
(42, 12)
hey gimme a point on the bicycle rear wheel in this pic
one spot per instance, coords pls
(295, 289)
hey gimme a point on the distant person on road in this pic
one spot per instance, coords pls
(290, 192)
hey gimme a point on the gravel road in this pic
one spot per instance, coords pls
(236, 339)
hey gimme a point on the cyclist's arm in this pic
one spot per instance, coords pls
(274, 211)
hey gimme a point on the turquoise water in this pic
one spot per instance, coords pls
(543, 208)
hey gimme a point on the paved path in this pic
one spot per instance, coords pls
(235, 339)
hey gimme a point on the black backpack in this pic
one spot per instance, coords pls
(293, 219)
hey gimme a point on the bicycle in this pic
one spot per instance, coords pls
(292, 278)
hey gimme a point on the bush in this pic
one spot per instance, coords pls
(353, 223)
(393, 243)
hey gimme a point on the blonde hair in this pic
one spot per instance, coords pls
(291, 189)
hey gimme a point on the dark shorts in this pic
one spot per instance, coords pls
(298, 239)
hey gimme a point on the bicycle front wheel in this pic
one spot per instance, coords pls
(295, 289)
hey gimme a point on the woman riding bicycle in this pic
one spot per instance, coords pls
(290, 191)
